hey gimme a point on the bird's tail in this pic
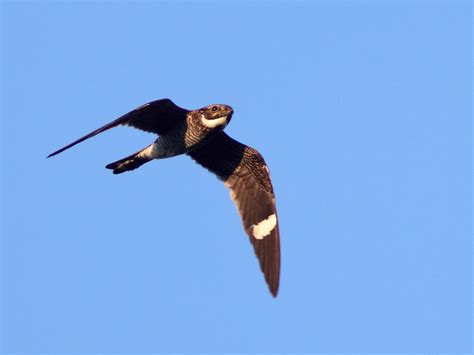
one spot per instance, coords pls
(130, 163)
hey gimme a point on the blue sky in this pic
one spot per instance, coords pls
(362, 111)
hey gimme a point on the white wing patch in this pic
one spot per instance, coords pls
(214, 123)
(264, 228)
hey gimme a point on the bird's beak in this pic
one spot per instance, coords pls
(230, 116)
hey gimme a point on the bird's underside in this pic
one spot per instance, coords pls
(199, 134)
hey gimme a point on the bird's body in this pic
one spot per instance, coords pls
(199, 134)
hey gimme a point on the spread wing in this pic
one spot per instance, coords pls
(245, 173)
(155, 117)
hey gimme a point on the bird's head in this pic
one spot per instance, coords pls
(216, 116)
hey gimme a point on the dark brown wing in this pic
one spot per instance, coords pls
(245, 173)
(155, 117)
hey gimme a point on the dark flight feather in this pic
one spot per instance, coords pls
(155, 117)
(245, 173)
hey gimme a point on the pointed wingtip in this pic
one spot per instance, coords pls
(273, 290)
(90, 135)
(57, 152)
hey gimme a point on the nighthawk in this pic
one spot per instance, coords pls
(199, 134)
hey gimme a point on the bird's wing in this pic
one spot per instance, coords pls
(245, 173)
(155, 117)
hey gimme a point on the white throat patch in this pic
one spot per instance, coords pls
(214, 123)
(264, 228)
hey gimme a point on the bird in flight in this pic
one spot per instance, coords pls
(199, 134)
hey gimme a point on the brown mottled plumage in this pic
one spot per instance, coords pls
(199, 134)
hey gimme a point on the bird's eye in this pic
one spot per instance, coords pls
(214, 109)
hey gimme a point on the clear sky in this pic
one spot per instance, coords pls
(362, 111)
